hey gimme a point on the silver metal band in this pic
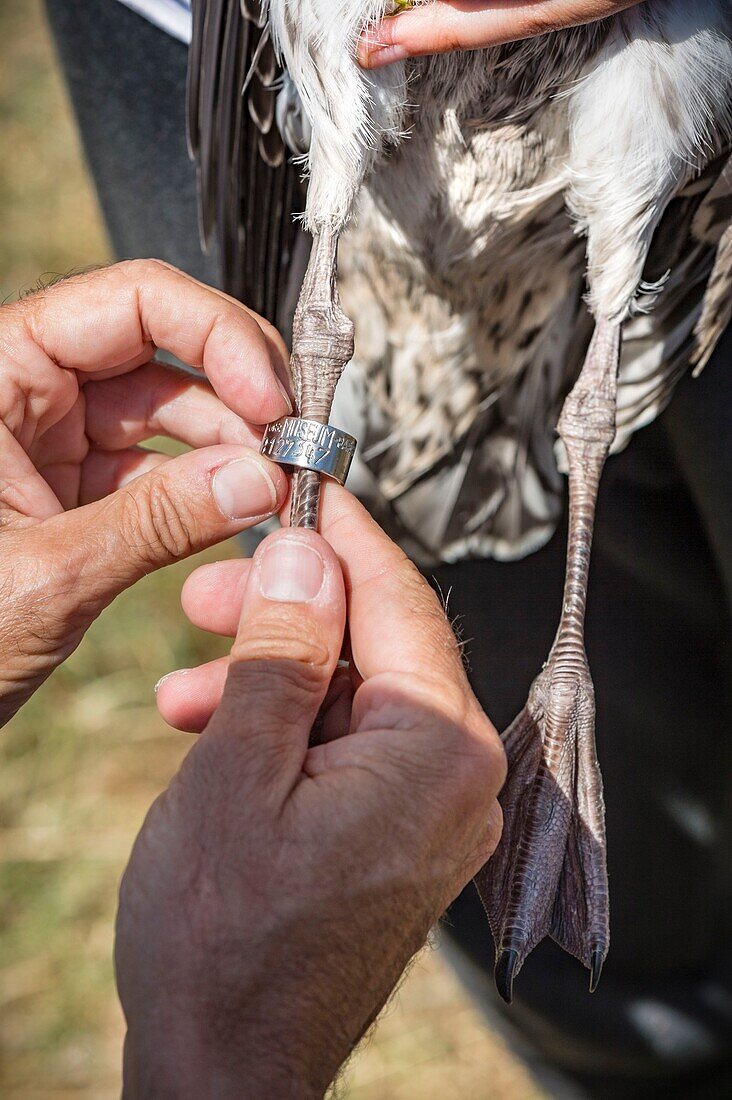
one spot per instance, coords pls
(309, 445)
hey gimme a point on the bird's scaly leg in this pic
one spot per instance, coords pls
(322, 344)
(549, 875)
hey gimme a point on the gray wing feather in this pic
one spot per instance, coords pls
(247, 185)
(694, 244)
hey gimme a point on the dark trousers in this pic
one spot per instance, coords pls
(658, 641)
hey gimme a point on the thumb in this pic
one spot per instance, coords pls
(174, 510)
(286, 651)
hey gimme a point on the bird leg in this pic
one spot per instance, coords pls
(322, 344)
(549, 875)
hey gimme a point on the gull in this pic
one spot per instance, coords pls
(535, 245)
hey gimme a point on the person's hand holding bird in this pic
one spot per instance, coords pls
(84, 511)
(442, 26)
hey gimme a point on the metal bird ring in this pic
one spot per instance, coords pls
(294, 441)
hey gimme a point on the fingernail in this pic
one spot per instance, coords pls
(290, 571)
(285, 394)
(379, 56)
(167, 676)
(373, 51)
(244, 489)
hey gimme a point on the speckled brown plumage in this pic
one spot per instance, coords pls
(471, 326)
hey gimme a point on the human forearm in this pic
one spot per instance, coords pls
(277, 1035)
(277, 1008)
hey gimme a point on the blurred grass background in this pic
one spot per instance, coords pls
(83, 760)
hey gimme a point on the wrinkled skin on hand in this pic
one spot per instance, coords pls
(85, 512)
(279, 886)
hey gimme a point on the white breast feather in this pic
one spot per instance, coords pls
(652, 106)
(352, 112)
(640, 122)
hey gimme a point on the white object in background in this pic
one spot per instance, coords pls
(173, 16)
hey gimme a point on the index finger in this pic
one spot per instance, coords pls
(112, 320)
(397, 624)
(444, 25)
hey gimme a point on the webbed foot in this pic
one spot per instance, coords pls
(548, 876)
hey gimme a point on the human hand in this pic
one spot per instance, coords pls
(84, 512)
(445, 25)
(276, 890)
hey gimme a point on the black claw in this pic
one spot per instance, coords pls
(505, 972)
(598, 958)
